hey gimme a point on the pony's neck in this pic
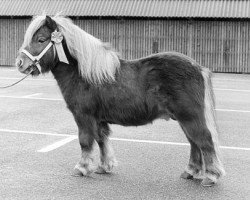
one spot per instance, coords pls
(63, 70)
(66, 75)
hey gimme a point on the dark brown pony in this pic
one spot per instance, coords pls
(101, 89)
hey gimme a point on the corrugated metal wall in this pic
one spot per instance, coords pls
(223, 46)
(132, 8)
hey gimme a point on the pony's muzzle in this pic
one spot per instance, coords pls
(19, 63)
(21, 67)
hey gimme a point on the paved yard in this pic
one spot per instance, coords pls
(39, 148)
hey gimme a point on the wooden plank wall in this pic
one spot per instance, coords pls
(222, 46)
(11, 38)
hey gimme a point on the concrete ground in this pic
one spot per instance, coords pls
(39, 148)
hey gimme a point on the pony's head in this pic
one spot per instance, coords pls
(96, 62)
(37, 38)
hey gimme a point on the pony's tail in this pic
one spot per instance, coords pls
(210, 115)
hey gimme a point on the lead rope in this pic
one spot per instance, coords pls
(7, 86)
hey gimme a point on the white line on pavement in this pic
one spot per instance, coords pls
(235, 148)
(229, 110)
(32, 95)
(232, 90)
(32, 98)
(73, 137)
(173, 143)
(150, 141)
(34, 132)
(57, 144)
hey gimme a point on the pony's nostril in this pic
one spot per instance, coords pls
(19, 63)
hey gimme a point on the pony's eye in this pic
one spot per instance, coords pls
(41, 40)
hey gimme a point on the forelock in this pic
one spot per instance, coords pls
(36, 23)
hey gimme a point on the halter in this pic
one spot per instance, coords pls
(56, 42)
(36, 59)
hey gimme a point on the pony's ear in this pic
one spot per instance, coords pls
(50, 23)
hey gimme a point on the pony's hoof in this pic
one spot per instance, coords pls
(77, 173)
(106, 167)
(80, 170)
(100, 170)
(186, 175)
(207, 182)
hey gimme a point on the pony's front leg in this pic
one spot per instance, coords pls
(86, 132)
(107, 158)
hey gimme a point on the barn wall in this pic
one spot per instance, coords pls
(11, 38)
(223, 46)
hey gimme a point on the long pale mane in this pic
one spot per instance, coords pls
(97, 62)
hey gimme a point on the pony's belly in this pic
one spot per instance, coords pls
(129, 122)
(135, 118)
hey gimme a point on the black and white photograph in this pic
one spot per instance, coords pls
(124, 99)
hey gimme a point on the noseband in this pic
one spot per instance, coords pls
(36, 59)
(56, 42)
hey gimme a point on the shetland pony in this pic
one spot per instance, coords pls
(100, 89)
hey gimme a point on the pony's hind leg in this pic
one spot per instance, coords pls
(200, 135)
(86, 131)
(195, 168)
(107, 158)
